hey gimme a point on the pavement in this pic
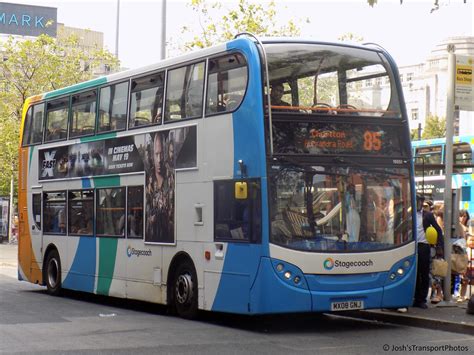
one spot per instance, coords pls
(450, 317)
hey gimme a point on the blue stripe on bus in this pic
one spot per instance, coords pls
(237, 278)
(86, 183)
(248, 127)
(233, 293)
(81, 276)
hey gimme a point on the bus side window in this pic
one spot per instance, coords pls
(57, 112)
(37, 210)
(113, 107)
(135, 212)
(110, 212)
(54, 212)
(80, 212)
(226, 83)
(33, 129)
(462, 154)
(146, 100)
(83, 114)
(184, 92)
(237, 219)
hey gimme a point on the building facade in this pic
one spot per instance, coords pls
(27, 21)
(425, 86)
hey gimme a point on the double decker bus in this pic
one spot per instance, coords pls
(190, 183)
(430, 162)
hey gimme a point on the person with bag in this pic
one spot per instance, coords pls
(439, 266)
(425, 219)
(459, 258)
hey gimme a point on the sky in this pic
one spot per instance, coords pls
(408, 31)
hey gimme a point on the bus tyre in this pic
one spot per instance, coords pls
(185, 290)
(53, 273)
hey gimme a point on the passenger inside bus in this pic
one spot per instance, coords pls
(276, 95)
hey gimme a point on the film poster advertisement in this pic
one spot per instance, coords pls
(156, 154)
(112, 156)
(165, 152)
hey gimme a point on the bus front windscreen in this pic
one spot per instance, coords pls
(323, 208)
(331, 79)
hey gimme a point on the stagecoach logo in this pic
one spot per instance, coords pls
(49, 163)
(330, 264)
(132, 251)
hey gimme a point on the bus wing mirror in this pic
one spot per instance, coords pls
(241, 190)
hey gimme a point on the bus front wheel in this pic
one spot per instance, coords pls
(53, 273)
(185, 290)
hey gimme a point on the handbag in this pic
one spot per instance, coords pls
(459, 263)
(439, 267)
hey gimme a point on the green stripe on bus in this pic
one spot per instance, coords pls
(32, 149)
(99, 137)
(76, 87)
(107, 256)
(106, 181)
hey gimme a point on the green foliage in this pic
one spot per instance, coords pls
(350, 37)
(435, 127)
(32, 67)
(414, 134)
(220, 25)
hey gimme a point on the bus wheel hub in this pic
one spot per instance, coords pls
(184, 288)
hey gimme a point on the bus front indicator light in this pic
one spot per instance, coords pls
(297, 279)
(406, 264)
(392, 276)
(280, 267)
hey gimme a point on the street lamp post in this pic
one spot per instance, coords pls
(117, 30)
(163, 30)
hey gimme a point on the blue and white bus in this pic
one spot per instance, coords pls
(194, 183)
(430, 158)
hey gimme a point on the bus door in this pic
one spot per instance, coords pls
(35, 225)
(237, 239)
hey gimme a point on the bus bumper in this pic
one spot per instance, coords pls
(275, 292)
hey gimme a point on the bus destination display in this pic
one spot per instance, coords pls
(327, 138)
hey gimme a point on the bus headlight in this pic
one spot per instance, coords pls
(297, 279)
(392, 276)
(400, 271)
(288, 275)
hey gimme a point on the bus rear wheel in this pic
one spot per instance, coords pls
(185, 290)
(52, 273)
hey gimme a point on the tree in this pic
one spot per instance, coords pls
(436, 3)
(31, 67)
(435, 127)
(350, 37)
(245, 17)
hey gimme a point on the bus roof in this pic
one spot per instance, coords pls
(240, 42)
(442, 141)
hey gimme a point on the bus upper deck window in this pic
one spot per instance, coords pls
(57, 112)
(113, 107)
(184, 92)
(146, 100)
(83, 114)
(33, 128)
(226, 83)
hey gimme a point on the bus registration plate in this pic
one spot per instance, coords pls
(347, 305)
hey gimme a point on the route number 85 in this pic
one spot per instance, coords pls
(372, 141)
